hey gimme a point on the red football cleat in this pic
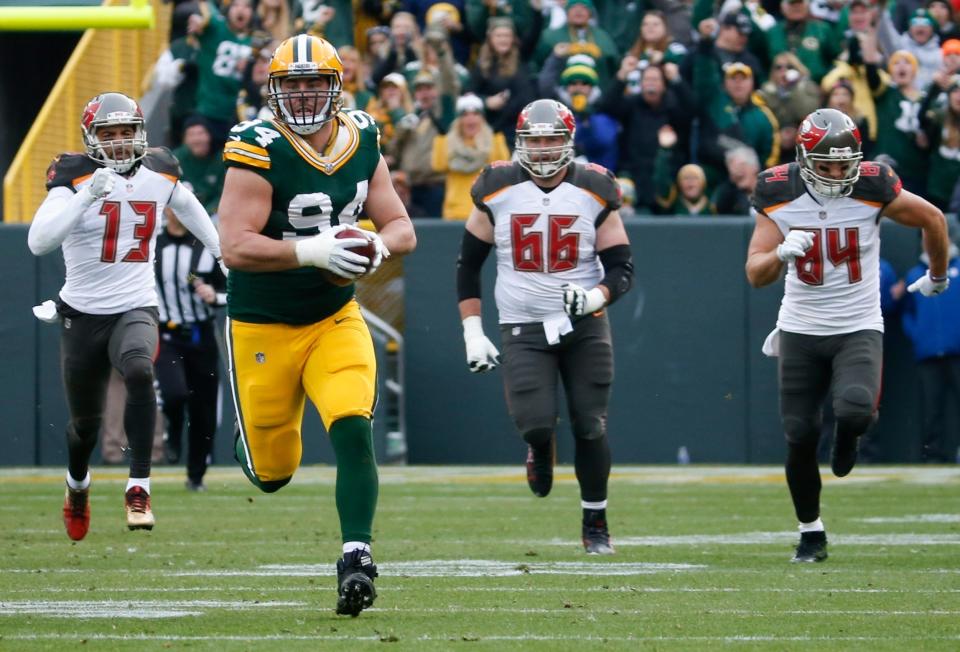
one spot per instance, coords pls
(76, 512)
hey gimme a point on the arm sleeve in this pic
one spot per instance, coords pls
(55, 218)
(473, 252)
(618, 270)
(191, 213)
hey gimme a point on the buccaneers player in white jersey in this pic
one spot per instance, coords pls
(819, 218)
(562, 256)
(103, 209)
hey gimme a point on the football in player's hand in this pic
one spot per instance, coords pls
(369, 250)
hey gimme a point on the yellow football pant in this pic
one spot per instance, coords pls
(274, 366)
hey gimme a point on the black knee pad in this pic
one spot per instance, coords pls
(801, 430)
(854, 401)
(137, 372)
(538, 437)
(590, 427)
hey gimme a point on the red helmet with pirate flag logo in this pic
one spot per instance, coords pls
(828, 135)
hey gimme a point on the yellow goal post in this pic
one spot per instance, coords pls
(104, 60)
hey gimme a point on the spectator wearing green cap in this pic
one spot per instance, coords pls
(578, 36)
(576, 87)
(732, 114)
(920, 40)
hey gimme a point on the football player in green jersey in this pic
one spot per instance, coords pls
(294, 329)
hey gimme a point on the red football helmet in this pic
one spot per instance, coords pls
(829, 135)
(545, 118)
(109, 110)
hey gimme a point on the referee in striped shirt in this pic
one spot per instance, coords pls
(190, 286)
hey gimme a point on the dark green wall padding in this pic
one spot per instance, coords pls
(687, 338)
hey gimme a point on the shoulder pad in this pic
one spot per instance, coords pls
(598, 181)
(248, 145)
(877, 183)
(367, 124)
(494, 177)
(69, 169)
(777, 185)
(162, 161)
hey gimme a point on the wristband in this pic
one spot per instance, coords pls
(937, 279)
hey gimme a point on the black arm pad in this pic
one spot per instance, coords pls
(473, 251)
(618, 265)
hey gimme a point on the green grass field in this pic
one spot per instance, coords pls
(469, 559)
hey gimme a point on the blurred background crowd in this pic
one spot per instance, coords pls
(685, 100)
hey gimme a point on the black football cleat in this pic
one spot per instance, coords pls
(844, 454)
(812, 547)
(596, 537)
(540, 470)
(355, 573)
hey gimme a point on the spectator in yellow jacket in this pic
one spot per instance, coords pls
(463, 151)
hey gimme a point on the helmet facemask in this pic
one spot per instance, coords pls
(305, 111)
(828, 186)
(122, 154)
(829, 136)
(543, 162)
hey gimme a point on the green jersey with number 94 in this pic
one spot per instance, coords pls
(312, 191)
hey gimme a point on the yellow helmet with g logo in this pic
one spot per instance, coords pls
(305, 107)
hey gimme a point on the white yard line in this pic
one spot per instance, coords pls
(129, 609)
(459, 568)
(459, 636)
(297, 588)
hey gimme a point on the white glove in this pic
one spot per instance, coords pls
(102, 183)
(927, 286)
(578, 302)
(795, 246)
(481, 353)
(382, 251)
(326, 251)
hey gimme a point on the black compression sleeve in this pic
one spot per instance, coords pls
(618, 267)
(473, 251)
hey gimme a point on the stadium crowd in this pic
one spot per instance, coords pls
(685, 101)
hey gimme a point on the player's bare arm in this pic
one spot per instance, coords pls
(912, 210)
(763, 264)
(244, 210)
(388, 214)
(478, 225)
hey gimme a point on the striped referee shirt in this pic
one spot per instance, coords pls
(180, 262)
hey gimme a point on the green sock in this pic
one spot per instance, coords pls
(357, 483)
